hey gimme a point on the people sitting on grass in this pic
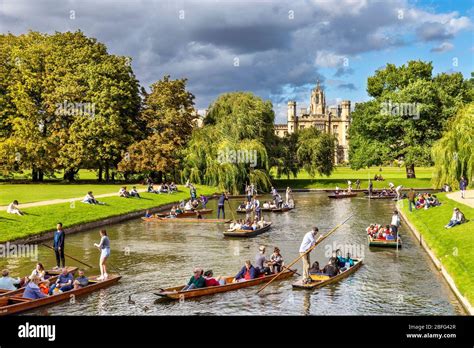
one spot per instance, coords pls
(173, 187)
(63, 283)
(90, 199)
(134, 192)
(32, 290)
(247, 272)
(13, 208)
(446, 188)
(123, 192)
(197, 280)
(457, 218)
(7, 282)
(81, 280)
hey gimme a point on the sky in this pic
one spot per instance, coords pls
(275, 49)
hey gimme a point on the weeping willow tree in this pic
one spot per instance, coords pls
(453, 154)
(230, 150)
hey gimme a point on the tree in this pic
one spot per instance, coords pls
(285, 156)
(167, 117)
(407, 115)
(69, 104)
(315, 151)
(453, 154)
(230, 150)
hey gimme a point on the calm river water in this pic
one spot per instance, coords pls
(152, 255)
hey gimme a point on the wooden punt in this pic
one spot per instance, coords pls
(185, 220)
(187, 213)
(381, 197)
(175, 293)
(282, 210)
(383, 243)
(53, 273)
(243, 211)
(247, 233)
(343, 195)
(16, 303)
(322, 280)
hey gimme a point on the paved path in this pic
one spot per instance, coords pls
(66, 200)
(456, 196)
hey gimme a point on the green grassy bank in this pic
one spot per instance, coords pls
(44, 218)
(341, 174)
(454, 247)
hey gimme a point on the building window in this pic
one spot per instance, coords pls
(301, 127)
(334, 129)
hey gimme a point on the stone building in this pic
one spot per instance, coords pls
(335, 120)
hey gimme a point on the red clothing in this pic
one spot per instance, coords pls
(247, 275)
(211, 282)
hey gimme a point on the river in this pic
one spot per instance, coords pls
(152, 255)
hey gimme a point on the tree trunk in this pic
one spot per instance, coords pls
(69, 175)
(160, 177)
(410, 169)
(113, 176)
(99, 178)
(34, 174)
(40, 175)
(107, 174)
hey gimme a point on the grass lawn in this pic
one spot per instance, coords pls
(27, 193)
(341, 174)
(454, 246)
(44, 218)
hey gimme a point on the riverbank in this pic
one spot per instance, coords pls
(341, 175)
(43, 219)
(451, 250)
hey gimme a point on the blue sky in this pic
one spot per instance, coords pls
(276, 49)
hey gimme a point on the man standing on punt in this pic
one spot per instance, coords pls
(308, 241)
(58, 245)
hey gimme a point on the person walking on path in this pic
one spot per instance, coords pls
(58, 245)
(411, 199)
(104, 247)
(308, 241)
(463, 186)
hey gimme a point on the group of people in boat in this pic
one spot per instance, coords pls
(37, 284)
(247, 224)
(387, 232)
(263, 267)
(336, 264)
(123, 192)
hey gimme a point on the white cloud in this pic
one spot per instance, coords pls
(443, 47)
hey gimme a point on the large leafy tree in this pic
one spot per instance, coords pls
(453, 154)
(407, 115)
(315, 151)
(237, 123)
(285, 158)
(167, 121)
(69, 104)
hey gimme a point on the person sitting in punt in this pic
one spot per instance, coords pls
(254, 225)
(7, 282)
(211, 281)
(197, 280)
(13, 208)
(266, 205)
(247, 272)
(331, 268)
(204, 201)
(123, 192)
(188, 205)
(456, 219)
(37, 272)
(261, 261)
(344, 263)
(273, 205)
(32, 290)
(236, 225)
(291, 203)
(276, 261)
(81, 280)
(315, 268)
(44, 287)
(246, 226)
(242, 205)
(370, 230)
(195, 204)
(178, 210)
(148, 214)
(64, 282)
(134, 192)
(261, 223)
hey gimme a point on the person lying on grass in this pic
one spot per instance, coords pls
(457, 218)
(13, 208)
